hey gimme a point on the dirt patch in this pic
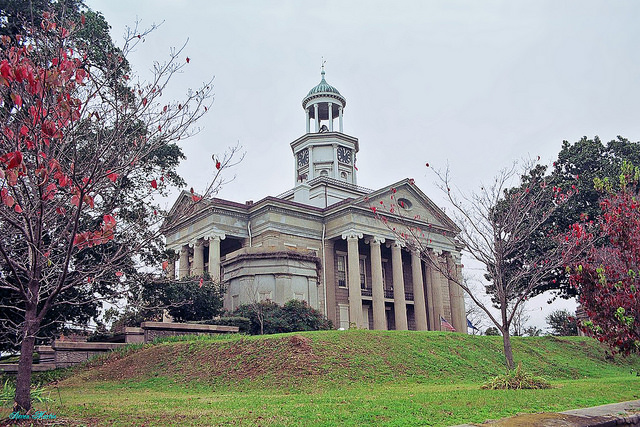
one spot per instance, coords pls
(303, 344)
(280, 361)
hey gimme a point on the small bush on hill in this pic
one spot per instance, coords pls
(516, 379)
(267, 317)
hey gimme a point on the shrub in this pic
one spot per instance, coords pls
(294, 316)
(516, 379)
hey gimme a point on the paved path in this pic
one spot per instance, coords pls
(615, 414)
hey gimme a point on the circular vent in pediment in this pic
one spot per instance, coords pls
(405, 203)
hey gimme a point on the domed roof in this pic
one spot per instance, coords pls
(323, 88)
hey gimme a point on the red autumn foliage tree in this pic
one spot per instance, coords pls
(73, 133)
(607, 276)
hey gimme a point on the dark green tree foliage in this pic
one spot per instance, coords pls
(186, 300)
(191, 299)
(573, 172)
(562, 323)
(532, 331)
(292, 317)
(492, 331)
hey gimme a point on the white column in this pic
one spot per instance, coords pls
(400, 305)
(198, 258)
(340, 115)
(214, 256)
(458, 312)
(353, 278)
(336, 173)
(306, 112)
(330, 117)
(444, 284)
(436, 290)
(429, 291)
(419, 301)
(315, 110)
(377, 287)
(183, 267)
(454, 301)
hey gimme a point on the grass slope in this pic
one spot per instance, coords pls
(337, 377)
(333, 358)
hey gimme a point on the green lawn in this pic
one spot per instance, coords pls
(337, 378)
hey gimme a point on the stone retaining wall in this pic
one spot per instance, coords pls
(153, 330)
(62, 354)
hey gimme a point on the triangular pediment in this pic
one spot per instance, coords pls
(405, 201)
(184, 207)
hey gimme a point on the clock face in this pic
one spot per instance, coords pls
(303, 158)
(344, 155)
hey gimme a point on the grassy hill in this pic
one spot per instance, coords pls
(337, 357)
(337, 378)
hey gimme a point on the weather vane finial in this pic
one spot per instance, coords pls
(323, 62)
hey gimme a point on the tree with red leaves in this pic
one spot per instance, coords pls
(607, 276)
(74, 134)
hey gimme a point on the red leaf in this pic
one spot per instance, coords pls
(119, 273)
(154, 184)
(201, 282)
(144, 102)
(109, 221)
(112, 175)
(12, 159)
(17, 208)
(165, 264)
(196, 198)
(82, 19)
(17, 99)
(188, 60)
(218, 165)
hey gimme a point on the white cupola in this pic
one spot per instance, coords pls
(323, 104)
(324, 157)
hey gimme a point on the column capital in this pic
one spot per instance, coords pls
(351, 234)
(374, 240)
(456, 257)
(396, 244)
(196, 242)
(214, 236)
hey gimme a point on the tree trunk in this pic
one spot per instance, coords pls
(508, 352)
(22, 401)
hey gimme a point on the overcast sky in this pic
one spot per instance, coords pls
(477, 84)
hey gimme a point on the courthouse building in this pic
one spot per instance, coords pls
(322, 242)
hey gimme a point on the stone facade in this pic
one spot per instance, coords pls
(323, 242)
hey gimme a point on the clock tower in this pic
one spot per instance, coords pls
(324, 154)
